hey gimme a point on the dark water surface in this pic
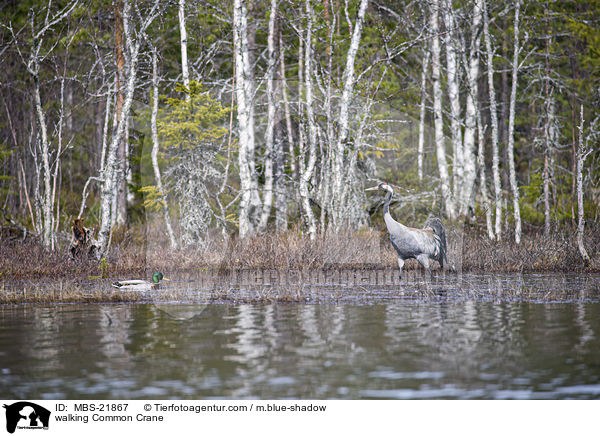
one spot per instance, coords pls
(455, 345)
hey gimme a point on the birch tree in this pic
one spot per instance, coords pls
(289, 134)
(440, 145)
(582, 154)
(339, 202)
(269, 134)
(307, 164)
(280, 190)
(550, 130)
(450, 39)
(471, 111)
(185, 75)
(33, 67)
(494, 122)
(133, 44)
(511, 127)
(244, 88)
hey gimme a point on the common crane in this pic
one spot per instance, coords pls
(421, 244)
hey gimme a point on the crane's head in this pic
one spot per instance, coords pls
(384, 187)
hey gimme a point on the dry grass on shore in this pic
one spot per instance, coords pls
(71, 296)
(557, 252)
(469, 250)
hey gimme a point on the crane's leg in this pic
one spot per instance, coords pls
(400, 265)
(423, 259)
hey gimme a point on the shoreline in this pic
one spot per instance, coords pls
(30, 273)
(347, 286)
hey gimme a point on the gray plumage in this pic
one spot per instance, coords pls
(439, 231)
(421, 244)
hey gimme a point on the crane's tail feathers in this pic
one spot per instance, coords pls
(438, 228)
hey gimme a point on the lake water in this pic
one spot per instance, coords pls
(526, 337)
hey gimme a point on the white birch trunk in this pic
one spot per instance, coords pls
(185, 74)
(327, 142)
(108, 190)
(473, 96)
(269, 133)
(472, 69)
(438, 114)
(581, 155)
(301, 121)
(307, 168)
(546, 180)
(245, 114)
(550, 139)
(47, 199)
(454, 100)
(511, 127)
(494, 120)
(155, 148)
(546, 174)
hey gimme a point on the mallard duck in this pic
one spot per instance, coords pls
(140, 285)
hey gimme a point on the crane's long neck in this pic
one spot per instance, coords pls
(390, 222)
(386, 205)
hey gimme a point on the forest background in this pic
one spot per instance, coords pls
(243, 134)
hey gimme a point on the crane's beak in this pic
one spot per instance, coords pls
(374, 188)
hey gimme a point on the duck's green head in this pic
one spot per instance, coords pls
(157, 277)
